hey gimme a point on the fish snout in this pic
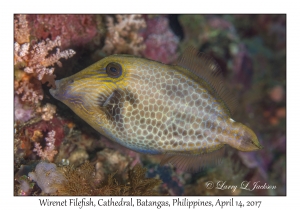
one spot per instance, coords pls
(245, 139)
(55, 92)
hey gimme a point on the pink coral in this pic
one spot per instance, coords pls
(35, 60)
(30, 92)
(21, 29)
(161, 42)
(122, 35)
(49, 152)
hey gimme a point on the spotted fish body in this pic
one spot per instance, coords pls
(178, 111)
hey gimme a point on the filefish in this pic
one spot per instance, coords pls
(181, 112)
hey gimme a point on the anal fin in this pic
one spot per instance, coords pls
(194, 163)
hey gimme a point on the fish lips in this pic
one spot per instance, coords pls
(55, 92)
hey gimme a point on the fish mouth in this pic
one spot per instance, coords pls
(55, 91)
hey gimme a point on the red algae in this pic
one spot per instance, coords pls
(82, 30)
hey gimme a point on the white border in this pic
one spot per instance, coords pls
(8, 8)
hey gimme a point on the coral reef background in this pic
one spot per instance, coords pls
(250, 49)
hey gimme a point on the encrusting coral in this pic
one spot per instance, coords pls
(22, 113)
(160, 41)
(47, 177)
(75, 30)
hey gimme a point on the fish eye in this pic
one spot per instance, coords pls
(114, 70)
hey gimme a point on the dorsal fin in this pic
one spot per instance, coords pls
(206, 68)
(194, 163)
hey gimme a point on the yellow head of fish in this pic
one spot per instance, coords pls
(179, 111)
